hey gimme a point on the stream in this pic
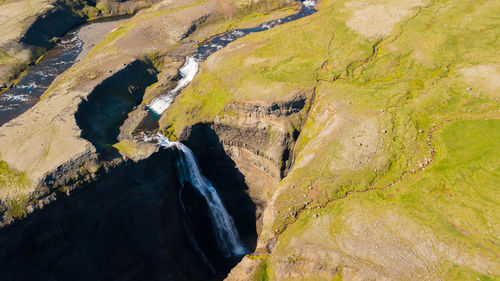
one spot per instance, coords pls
(228, 239)
(213, 44)
(27, 92)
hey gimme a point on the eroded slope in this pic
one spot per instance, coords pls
(383, 91)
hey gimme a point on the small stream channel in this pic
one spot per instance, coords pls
(227, 236)
(213, 44)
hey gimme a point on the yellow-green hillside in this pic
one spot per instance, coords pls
(405, 113)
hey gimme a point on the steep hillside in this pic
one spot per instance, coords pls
(55, 131)
(380, 187)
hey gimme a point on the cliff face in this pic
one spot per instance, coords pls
(377, 190)
(72, 117)
(125, 222)
(87, 207)
(342, 148)
(246, 151)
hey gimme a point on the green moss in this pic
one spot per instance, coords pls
(127, 148)
(455, 198)
(90, 12)
(203, 100)
(11, 178)
(156, 59)
(103, 6)
(17, 208)
(467, 169)
(262, 272)
(408, 84)
(457, 272)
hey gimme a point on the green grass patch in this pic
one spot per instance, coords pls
(262, 271)
(17, 208)
(11, 178)
(200, 101)
(462, 188)
(127, 148)
(13, 182)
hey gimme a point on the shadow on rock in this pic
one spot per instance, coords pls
(107, 107)
(125, 225)
(221, 170)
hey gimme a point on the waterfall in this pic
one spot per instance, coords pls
(227, 236)
(212, 45)
(228, 239)
(309, 4)
(187, 72)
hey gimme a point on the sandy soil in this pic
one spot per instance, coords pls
(376, 19)
(17, 16)
(484, 76)
(92, 34)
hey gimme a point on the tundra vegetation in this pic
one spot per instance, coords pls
(396, 171)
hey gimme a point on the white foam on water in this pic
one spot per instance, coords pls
(187, 71)
(228, 238)
(73, 39)
(190, 67)
(309, 3)
(16, 98)
(238, 33)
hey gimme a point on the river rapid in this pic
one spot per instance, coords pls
(35, 81)
(228, 239)
(213, 44)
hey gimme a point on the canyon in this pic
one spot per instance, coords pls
(251, 140)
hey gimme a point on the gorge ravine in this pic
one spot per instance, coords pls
(226, 234)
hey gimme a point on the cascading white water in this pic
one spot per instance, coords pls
(227, 235)
(190, 67)
(228, 238)
(187, 72)
(309, 3)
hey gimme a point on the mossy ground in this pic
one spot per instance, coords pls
(455, 199)
(10, 178)
(12, 184)
(126, 148)
(385, 109)
(379, 102)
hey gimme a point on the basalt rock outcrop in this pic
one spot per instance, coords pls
(64, 125)
(123, 221)
(106, 108)
(246, 151)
